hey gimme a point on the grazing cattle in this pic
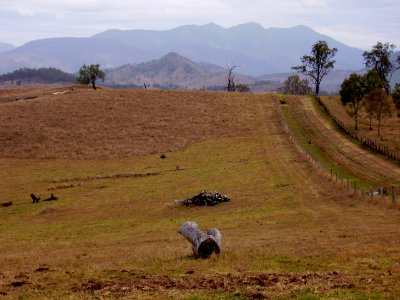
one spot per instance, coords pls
(51, 198)
(35, 199)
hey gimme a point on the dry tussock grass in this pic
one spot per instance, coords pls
(87, 124)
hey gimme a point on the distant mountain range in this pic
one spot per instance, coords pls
(4, 47)
(257, 50)
(174, 71)
(171, 71)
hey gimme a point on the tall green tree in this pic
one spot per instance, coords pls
(318, 64)
(89, 75)
(352, 92)
(379, 59)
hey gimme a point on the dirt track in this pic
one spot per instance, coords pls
(343, 151)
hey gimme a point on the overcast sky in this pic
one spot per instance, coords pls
(358, 23)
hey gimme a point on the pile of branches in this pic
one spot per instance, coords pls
(205, 199)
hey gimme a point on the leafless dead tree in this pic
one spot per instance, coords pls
(231, 78)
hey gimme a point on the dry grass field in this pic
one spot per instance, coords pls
(390, 127)
(343, 153)
(286, 234)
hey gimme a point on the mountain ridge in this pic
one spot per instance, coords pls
(4, 47)
(173, 71)
(257, 50)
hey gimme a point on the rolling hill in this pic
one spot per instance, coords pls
(27, 76)
(257, 50)
(171, 71)
(69, 54)
(289, 232)
(5, 47)
(174, 71)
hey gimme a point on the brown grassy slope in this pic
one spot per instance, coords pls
(342, 151)
(286, 233)
(107, 123)
(390, 127)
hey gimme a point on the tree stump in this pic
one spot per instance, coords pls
(203, 244)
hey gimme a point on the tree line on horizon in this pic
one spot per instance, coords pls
(45, 75)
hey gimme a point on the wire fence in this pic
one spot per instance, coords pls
(343, 182)
(369, 143)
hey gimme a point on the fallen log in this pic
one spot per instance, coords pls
(203, 245)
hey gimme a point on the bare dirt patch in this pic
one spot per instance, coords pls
(253, 285)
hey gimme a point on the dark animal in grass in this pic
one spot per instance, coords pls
(163, 156)
(6, 204)
(51, 198)
(35, 199)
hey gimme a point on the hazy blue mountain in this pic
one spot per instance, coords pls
(6, 47)
(68, 54)
(255, 49)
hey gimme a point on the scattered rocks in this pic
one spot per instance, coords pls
(205, 199)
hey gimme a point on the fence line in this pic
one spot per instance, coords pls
(371, 144)
(344, 183)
